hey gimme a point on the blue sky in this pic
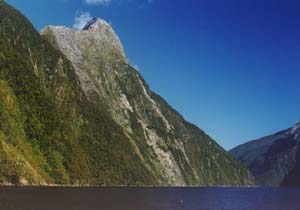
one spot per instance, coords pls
(232, 67)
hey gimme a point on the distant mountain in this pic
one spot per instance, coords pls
(73, 111)
(273, 160)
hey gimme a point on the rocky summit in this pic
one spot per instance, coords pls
(73, 111)
(273, 160)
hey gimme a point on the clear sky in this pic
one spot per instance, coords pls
(232, 67)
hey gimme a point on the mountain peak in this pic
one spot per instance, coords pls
(97, 33)
(95, 23)
(296, 128)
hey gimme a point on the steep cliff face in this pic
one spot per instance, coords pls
(273, 160)
(94, 120)
(38, 111)
(175, 151)
(49, 132)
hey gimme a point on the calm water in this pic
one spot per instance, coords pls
(107, 198)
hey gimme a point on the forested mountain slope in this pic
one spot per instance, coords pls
(94, 120)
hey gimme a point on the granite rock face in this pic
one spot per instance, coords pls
(176, 151)
(273, 160)
(74, 112)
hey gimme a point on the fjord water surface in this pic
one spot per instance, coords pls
(127, 198)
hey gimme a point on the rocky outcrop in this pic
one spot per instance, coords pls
(74, 112)
(177, 152)
(273, 160)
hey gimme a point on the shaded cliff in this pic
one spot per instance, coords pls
(273, 160)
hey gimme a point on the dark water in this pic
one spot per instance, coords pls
(107, 198)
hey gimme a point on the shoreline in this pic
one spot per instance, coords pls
(126, 186)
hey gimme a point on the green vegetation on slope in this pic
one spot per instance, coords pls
(52, 131)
